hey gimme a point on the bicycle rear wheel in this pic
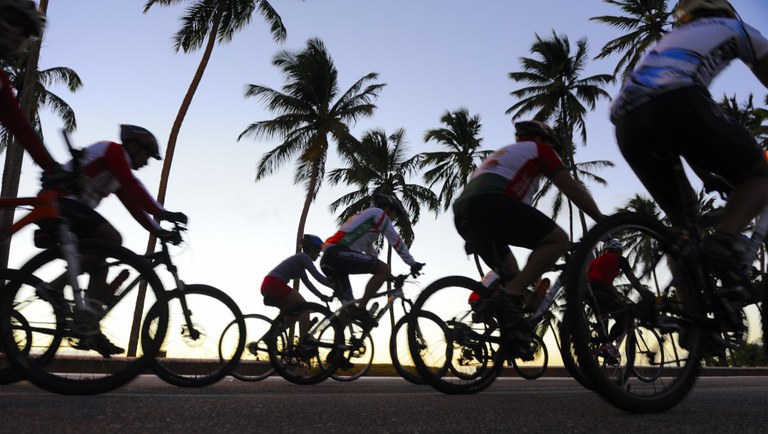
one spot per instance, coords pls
(640, 356)
(196, 352)
(254, 362)
(73, 351)
(357, 360)
(306, 356)
(567, 353)
(463, 353)
(534, 368)
(401, 355)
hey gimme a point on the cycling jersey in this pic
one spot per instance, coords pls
(604, 268)
(515, 170)
(15, 123)
(296, 267)
(691, 55)
(106, 167)
(360, 232)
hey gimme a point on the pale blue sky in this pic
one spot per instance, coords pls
(434, 55)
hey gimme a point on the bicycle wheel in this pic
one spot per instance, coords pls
(77, 351)
(401, 355)
(532, 368)
(196, 352)
(357, 360)
(306, 343)
(614, 341)
(463, 351)
(22, 331)
(569, 358)
(254, 362)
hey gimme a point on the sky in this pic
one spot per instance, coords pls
(433, 55)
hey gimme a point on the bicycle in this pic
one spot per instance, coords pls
(345, 347)
(468, 349)
(63, 339)
(656, 348)
(200, 347)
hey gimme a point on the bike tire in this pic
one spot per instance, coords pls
(311, 357)
(202, 354)
(569, 358)
(533, 369)
(463, 356)
(254, 362)
(401, 354)
(611, 361)
(359, 355)
(75, 365)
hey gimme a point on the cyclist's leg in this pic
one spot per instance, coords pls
(286, 298)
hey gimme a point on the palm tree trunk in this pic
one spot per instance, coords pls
(14, 154)
(166, 172)
(311, 192)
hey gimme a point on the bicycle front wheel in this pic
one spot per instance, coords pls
(83, 350)
(401, 355)
(254, 363)
(306, 343)
(641, 352)
(196, 351)
(458, 351)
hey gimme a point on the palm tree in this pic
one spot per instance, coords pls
(754, 119)
(453, 166)
(208, 22)
(378, 164)
(556, 91)
(43, 96)
(646, 21)
(309, 109)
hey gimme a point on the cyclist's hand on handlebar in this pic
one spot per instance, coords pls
(171, 237)
(175, 217)
(416, 268)
(56, 177)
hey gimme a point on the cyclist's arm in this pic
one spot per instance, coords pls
(320, 277)
(15, 122)
(761, 70)
(633, 280)
(576, 192)
(137, 196)
(394, 240)
(311, 287)
(141, 216)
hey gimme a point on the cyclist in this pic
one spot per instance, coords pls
(664, 112)
(108, 168)
(351, 250)
(494, 211)
(20, 21)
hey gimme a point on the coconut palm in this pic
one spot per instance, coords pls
(378, 163)
(645, 22)
(453, 166)
(309, 110)
(557, 93)
(208, 22)
(754, 119)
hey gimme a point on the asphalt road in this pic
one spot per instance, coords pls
(376, 405)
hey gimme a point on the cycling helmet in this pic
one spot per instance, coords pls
(537, 128)
(686, 9)
(613, 244)
(23, 13)
(141, 136)
(309, 240)
(382, 200)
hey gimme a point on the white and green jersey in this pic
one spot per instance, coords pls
(360, 232)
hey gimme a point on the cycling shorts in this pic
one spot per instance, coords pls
(275, 288)
(495, 221)
(685, 123)
(83, 220)
(339, 262)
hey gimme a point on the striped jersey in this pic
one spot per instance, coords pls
(360, 232)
